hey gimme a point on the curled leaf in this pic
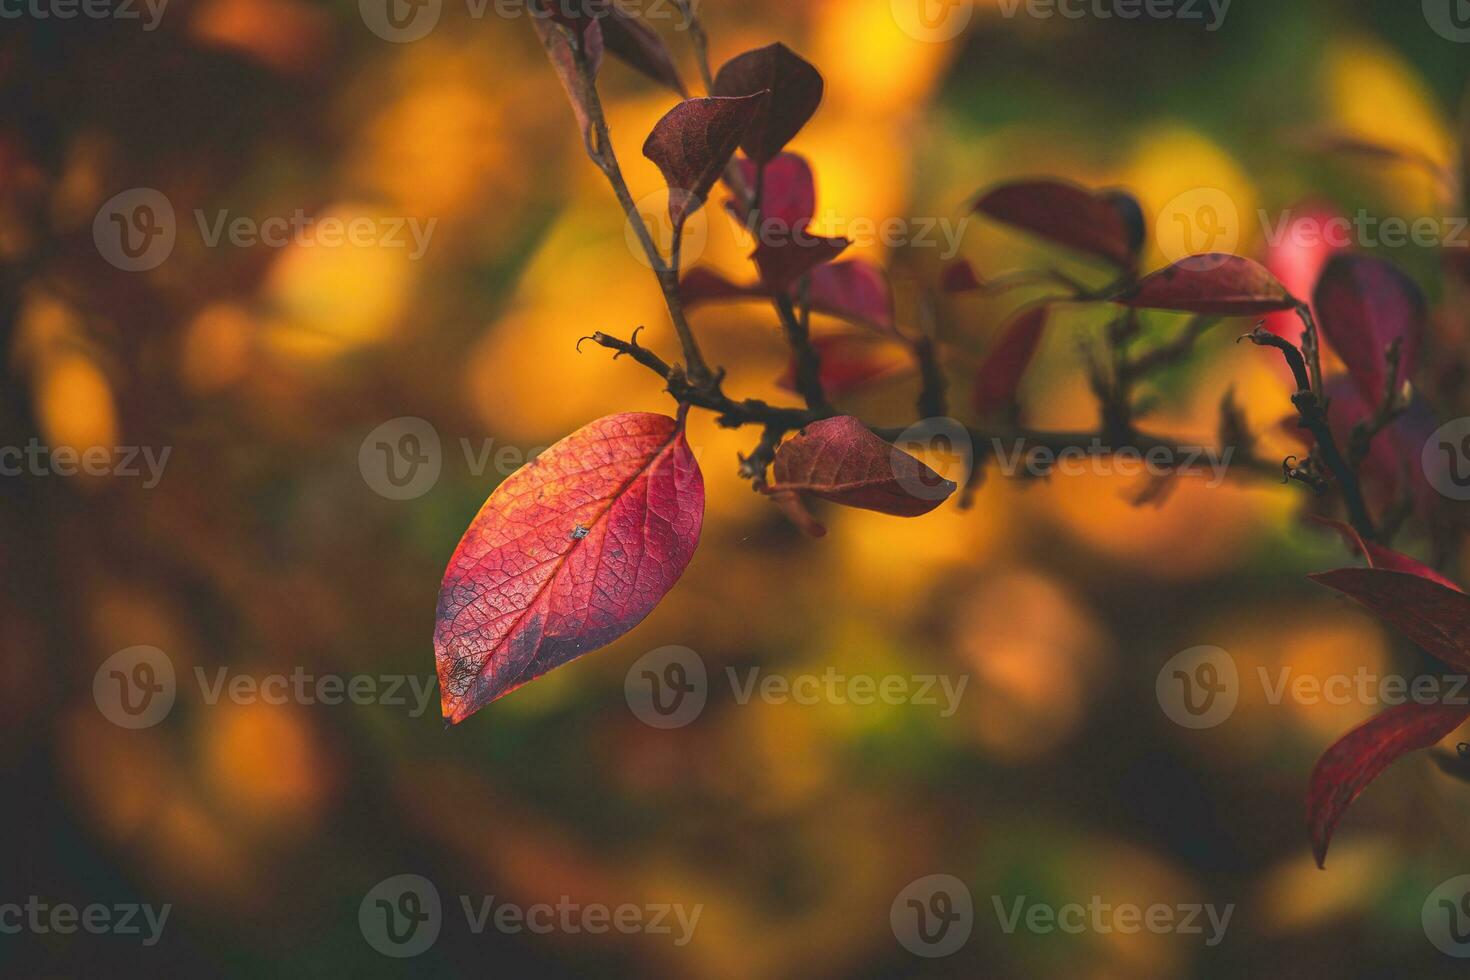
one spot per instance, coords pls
(568, 554)
(841, 460)
(1357, 758)
(639, 46)
(1434, 616)
(1001, 372)
(564, 61)
(796, 91)
(1214, 283)
(1363, 305)
(692, 144)
(1097, 225)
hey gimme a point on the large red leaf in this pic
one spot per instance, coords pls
(1435, 617)
(692, 144)
(1363, 304)
(1066, 214)
(1214, 283)
(841, 460)
(568, 554)
(1357, 758)
(1001, 372)
(796, 91)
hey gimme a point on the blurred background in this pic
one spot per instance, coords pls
(268, 545)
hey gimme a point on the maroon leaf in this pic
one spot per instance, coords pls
(1068, 215)
(959, 277)
(1000, 374)
(841, 460)
(1380, 557)
(788, 195)
(796, 91)
(849, 363)
(639, 46)
(1356, 759)
(692, 144)
(782, 263)
(1364, 304)
(1213, 283)
(564, 62)
(1435, 617)
(856, 291)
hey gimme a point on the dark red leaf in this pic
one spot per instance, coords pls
(568, 554)
(1380, 557)
(789, 195)
(796, 91)
(782, 263)
(692, 144)
(1356, 759)
(856, 291)
(563, 61)
(1213, 283)
(638, 45)
(850, 363)
(841, 460)
(1003, 368)
(1066, 214)
(1363, 304)
(704, 285)
(1433, 616)
(959, 277)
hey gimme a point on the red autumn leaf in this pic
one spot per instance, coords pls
(1364, 304)
(959, 277)
(638, 45)
(1296, 256)
(1066, 214)
(782, 263)
(1356, 759)
(856, 291)
(564, 62)
(1214, 283)
(841, 460)
(796, 91)
(568, 554)
(850, 363)
(1380, 557)
(788, 194)
(692, 144)
(1000, 374)
(1435, 617)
